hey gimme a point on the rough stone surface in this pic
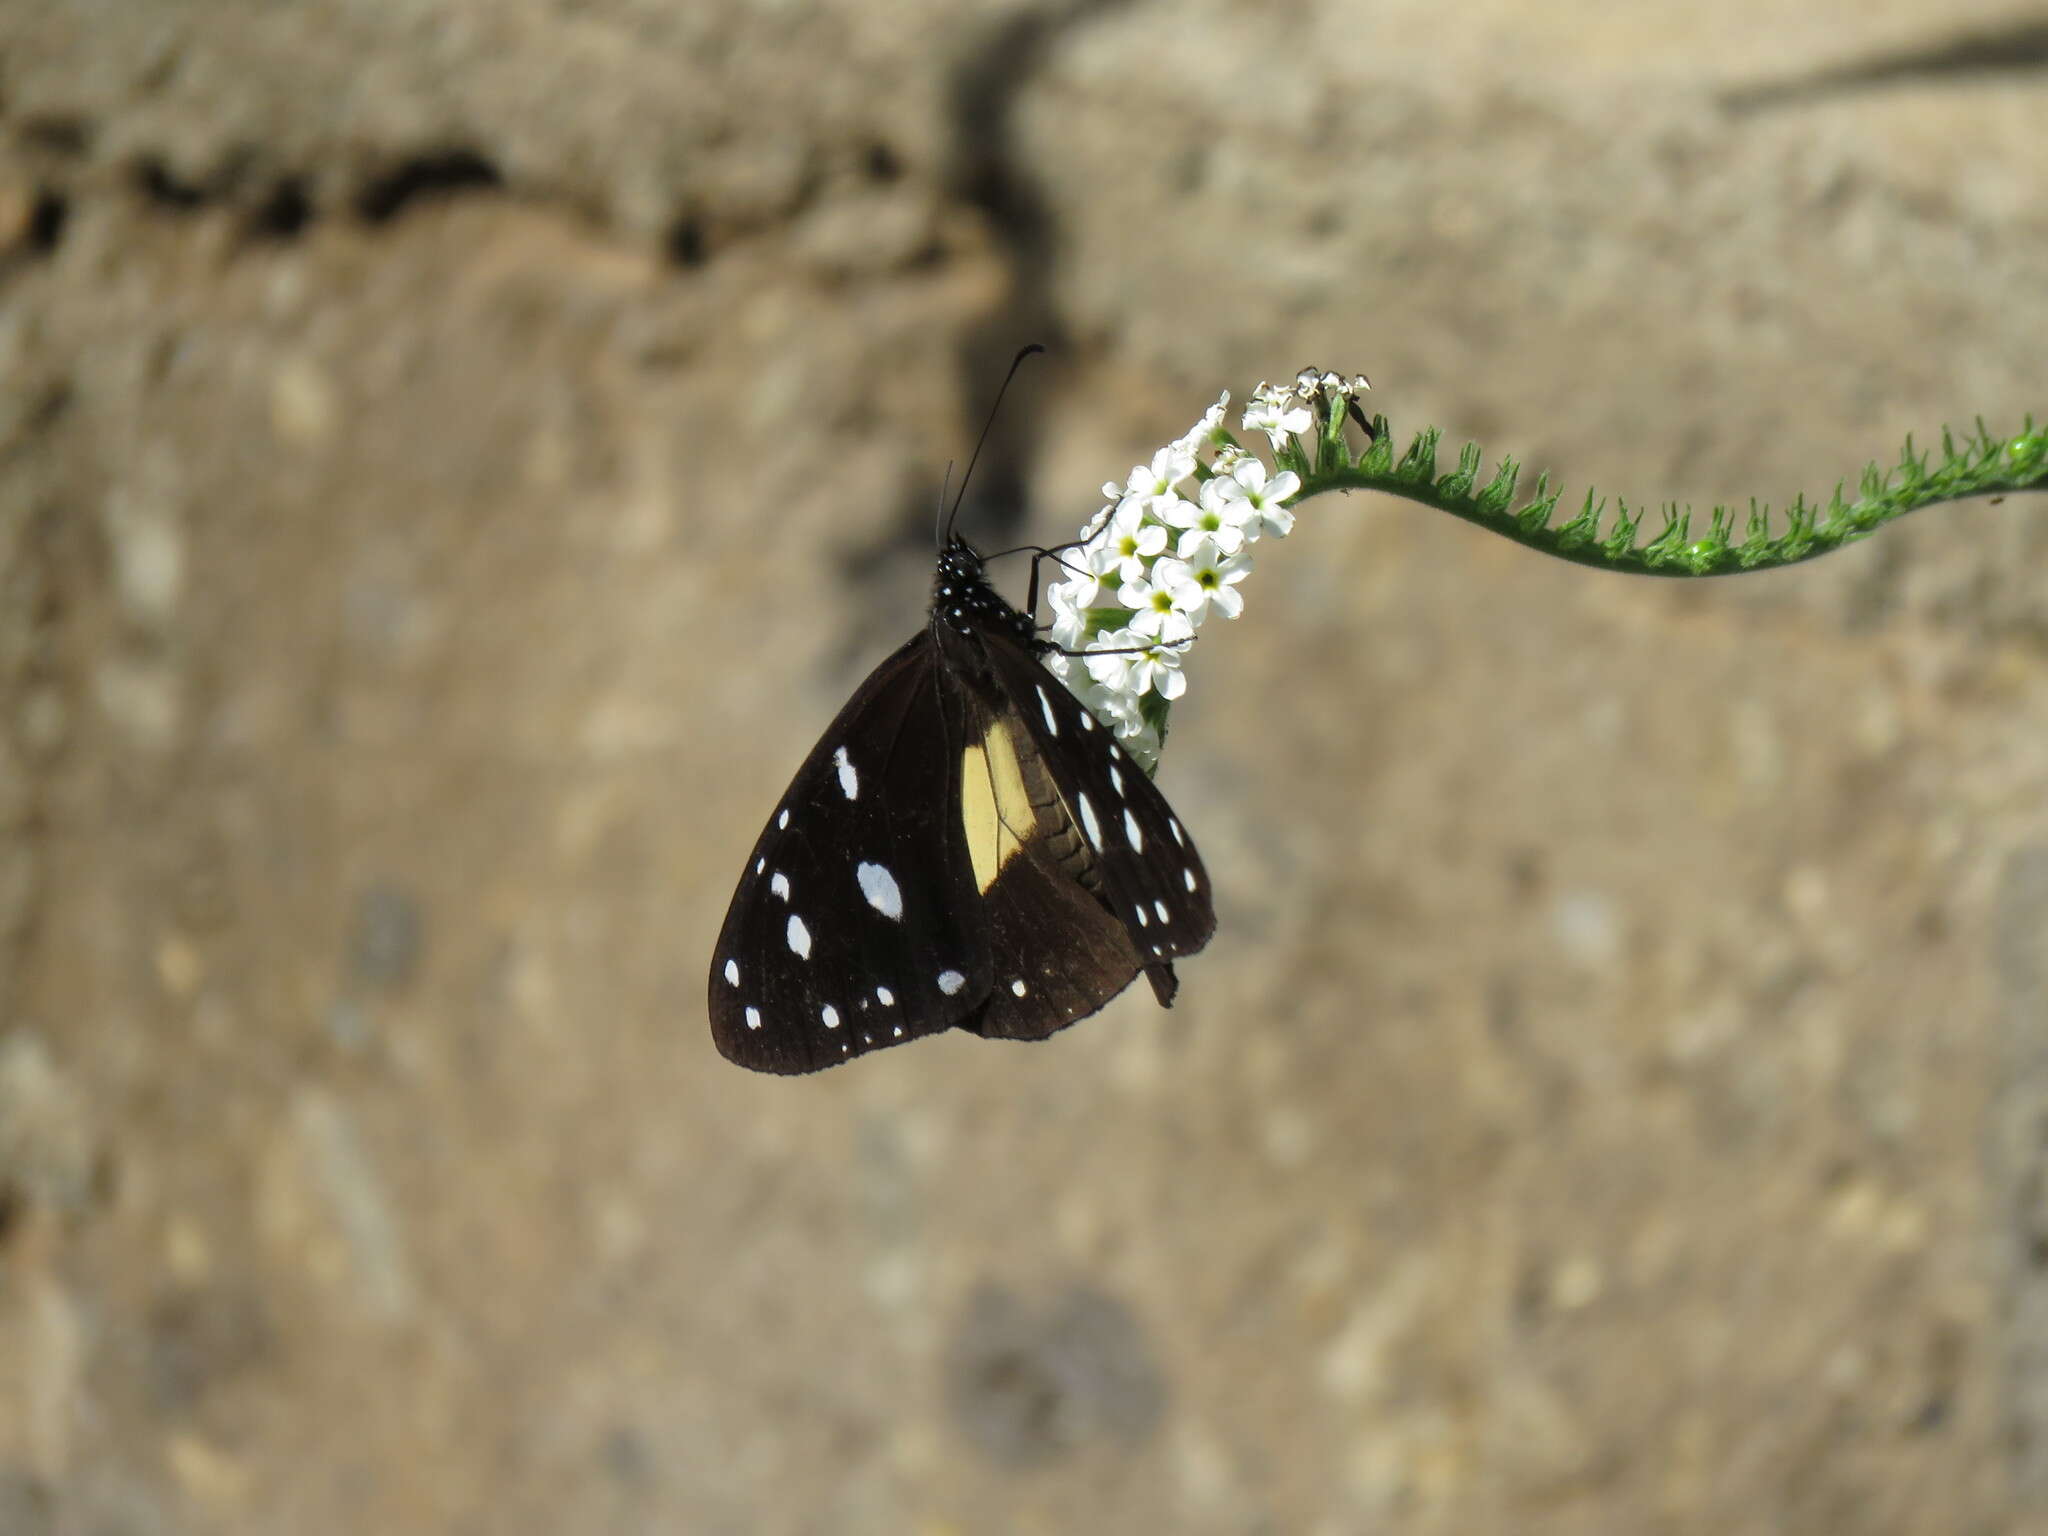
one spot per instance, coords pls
(455, 455)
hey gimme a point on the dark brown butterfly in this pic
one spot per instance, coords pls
(966, 847)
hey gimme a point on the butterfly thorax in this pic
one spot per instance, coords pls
(963, 601)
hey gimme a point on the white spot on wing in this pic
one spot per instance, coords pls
(780, 885)
(1116, 780)
(1045, 705)
(885, 997)
(830, 1015)
(1139, 913)
(1131, 831)
(1087, 719)
(1088, 822)
(849, 781)
(732, 973)
(897, 1031)
(782, 821)
(753, 1018)
(1018, 987)
(1174, 827)
(881, 890)
(1188, 875)
(1160, 908)
(799, 937)
(951, 982)
(759, 865)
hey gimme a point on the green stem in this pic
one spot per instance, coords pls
(1981, 465)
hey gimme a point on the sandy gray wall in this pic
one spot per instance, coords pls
(455, 457)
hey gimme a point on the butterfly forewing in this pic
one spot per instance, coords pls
(855, 925)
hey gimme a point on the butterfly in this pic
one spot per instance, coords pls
(966, 847)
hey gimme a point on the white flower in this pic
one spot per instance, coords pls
(1156, 609)
(1132, 664)
(1139, 739)
(1109, 663)
(1115, 708)
(1174, 511)
(1270, 413)
(1220, 516)
(1122, 713)
(1228, 457)
(1206, 578)
(1249, 475)
(1156, 483)
(1123, 560)
(1100, 520)
(1071, 598)
(1335, 386)
(1128, 545)
(1203, 433)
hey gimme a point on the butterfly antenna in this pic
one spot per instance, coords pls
(975, 457)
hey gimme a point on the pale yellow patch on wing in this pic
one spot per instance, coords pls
(995, 810)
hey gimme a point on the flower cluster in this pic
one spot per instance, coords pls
(1170, 550)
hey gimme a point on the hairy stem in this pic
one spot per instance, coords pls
(1981, 464)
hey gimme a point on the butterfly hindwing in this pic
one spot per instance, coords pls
(1056, 951)
(1110, 884)
(855, 925)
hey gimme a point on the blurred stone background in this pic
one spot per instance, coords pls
(456, 454)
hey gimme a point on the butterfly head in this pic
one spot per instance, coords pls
(960, 568)
(963, 600)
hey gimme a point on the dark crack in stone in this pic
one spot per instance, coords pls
(384, 945)
(200, 1338)
(381, 954)
(25, 1503)
(1031, 1385)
